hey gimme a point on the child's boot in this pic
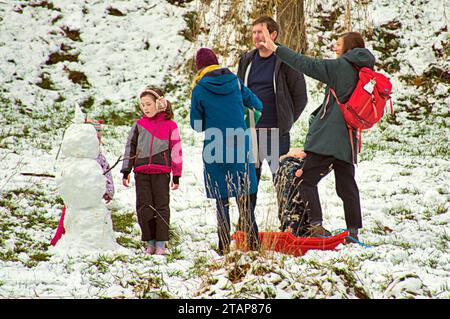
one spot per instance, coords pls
(151, 248)
(160, 248)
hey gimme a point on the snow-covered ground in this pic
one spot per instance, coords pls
(404, 174)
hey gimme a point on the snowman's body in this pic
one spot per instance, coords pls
(81, 184)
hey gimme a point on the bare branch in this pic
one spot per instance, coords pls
(117, 162)
(15, 170)
(38, 174)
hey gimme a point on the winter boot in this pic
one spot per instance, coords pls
(151, 247)
(352, 238)
(160, 248)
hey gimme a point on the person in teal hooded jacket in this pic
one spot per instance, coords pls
(217, 108)
(328, 145)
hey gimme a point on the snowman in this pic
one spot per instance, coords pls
(81, 184)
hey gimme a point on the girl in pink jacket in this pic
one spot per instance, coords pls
(154, 151)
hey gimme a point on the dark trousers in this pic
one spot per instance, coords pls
(247, 222)
(265, 141)
(152, 205)
(318, 166)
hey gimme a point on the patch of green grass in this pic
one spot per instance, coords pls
(24, 243)
(36, 258)
(9, 255)
(443, 241)
(28, 209)
(199, 267)
(175, 254)
(103, 262)
(87, 104)
(129, 242)
(176, 273)
(413, 191)
(41, 256)
(212, 280)
(149, 286)
(163, 294)
(441, 209)
(193, 27)
(119, 117)
(107, 102)
(37, 218)
(124, 222)
(379, 228)
(403, 244)
(237, 272)
(402, 213)
(351, 282)
(174, 236)
(269, 292)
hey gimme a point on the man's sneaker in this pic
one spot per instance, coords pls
(317, 231)
(160, 251)
(150, 250)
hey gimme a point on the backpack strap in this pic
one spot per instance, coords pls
(358, 138)
(350, 129)
(331, 91)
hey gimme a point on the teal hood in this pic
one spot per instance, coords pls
(220, 81)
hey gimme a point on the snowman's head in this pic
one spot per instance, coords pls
(80, 140)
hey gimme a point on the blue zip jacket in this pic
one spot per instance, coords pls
(217, 108)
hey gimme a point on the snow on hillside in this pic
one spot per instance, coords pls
(99, 54)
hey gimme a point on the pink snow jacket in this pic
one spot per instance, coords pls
(153, 147)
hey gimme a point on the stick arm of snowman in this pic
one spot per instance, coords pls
(120, 159)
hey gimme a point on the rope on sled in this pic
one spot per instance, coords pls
(340, 230)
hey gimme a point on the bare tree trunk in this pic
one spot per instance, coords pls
(348, 17)
(264, 7)
(260, 8)
(291, 17)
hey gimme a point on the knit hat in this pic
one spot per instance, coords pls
(205, 57)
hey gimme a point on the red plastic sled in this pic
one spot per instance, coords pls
(287, 243)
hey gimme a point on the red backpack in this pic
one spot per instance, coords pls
(366, 104)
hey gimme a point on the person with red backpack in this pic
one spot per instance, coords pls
(331, 142)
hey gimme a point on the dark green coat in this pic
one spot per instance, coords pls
(329, 135)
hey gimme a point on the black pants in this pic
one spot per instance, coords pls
(246, 223)
(152, 205)
(265, 141)
(318, 166)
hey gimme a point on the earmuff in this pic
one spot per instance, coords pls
(161, 102)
